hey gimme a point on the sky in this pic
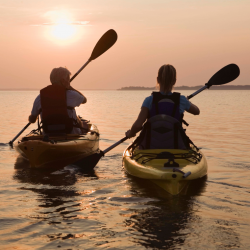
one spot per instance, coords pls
(198, 37)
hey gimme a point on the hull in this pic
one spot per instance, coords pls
(58, 151)
(171, 174)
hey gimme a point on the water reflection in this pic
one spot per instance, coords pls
(68, 175)
(162, 224)
(78, 209)
(174, 222)
(57, 199)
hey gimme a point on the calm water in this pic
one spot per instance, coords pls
(108, 209)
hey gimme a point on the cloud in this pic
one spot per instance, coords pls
(60, 17)
(78, 23)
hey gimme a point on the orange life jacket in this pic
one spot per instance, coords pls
(55, 118)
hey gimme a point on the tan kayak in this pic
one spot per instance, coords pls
(170, 169)
(58, 151)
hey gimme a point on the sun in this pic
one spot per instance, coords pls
(63, 31)
(61, 28)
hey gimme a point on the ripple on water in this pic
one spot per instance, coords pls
(107, 208)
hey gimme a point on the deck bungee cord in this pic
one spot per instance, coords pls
(192, 156)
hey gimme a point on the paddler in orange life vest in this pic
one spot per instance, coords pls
(161, 116)
(56, 105)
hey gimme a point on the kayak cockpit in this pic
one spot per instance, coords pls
(58, 150)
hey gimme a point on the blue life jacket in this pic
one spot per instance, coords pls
(163, 129)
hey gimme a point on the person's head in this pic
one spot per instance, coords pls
(60, 76)
(166, 77)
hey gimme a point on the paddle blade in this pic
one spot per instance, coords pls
(224, 75)
(89, 162)
(105, 42)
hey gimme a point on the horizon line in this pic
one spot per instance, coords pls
(183, 87)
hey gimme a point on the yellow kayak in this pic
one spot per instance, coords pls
(43, 151)
(171, 169)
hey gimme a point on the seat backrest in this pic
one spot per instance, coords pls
(163, 132)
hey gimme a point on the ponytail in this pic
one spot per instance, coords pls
(166, 77)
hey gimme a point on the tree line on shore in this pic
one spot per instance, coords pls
(221, 87)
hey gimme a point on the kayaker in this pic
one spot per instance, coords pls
(56, 105)
(158, 131)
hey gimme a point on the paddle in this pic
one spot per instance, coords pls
(104, 43)
(223, 76)
(90, 162)
(11, 142)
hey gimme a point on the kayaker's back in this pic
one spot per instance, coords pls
(56, 106)
(161, 116)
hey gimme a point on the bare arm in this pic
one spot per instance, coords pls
(137, 126)
(35, 110)
(71, 88)
(193, 109)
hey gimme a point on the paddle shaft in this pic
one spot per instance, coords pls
(91, 161)
(11, 142)
(197, 92)
(75, 75)
(114, 145)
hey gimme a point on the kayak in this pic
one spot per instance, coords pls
(60, 150)
(170, 169)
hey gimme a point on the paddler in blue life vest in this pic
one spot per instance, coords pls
(56, 105)
(163, 112)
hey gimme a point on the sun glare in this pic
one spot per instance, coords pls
(61, 29)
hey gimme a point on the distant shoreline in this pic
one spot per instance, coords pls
(39, 89)
(220, 87)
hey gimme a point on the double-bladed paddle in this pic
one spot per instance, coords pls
(105, 42)
(223, 76)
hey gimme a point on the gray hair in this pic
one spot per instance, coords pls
(57, 74)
